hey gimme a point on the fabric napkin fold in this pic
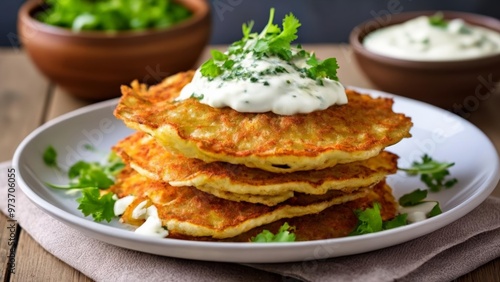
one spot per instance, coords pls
(442, 255)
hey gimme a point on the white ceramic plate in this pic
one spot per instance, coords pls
(441, 134)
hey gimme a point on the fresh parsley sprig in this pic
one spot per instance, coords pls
(90, 178)
(100, 207)
(271, 41)
(284, 234)
(370, 221)
(275, 41)
(432, 173)
(321, 69)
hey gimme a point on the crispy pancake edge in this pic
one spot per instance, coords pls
(237, 217)
(146, 156)
(284, 160)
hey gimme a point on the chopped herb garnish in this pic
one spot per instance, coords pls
(280, 70)
(197, 96)
(369, 220)
(97, 205)
(85, 174)
(413, 198)
(218, 55)
(50, 157)
(435, 211)
(398, 221)
(283, 235)
(321, 69)
(210, 69)
(438, 20)
(271, 41)
(92, 179)
(432, 173)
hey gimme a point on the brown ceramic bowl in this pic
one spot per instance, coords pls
(93, 64)
(457, 85)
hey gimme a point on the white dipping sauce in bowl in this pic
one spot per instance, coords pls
(433, 39)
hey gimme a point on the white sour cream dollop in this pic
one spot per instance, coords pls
(274, 85)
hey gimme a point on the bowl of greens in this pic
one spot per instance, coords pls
(89, 48)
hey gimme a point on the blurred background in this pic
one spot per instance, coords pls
(324, 21)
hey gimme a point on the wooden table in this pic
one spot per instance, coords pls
(28, 100)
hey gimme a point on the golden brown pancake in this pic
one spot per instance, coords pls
(241, 183)
(355, 131)
(191, 212)
(333, 222)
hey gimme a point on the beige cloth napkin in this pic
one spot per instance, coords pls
(440, 256)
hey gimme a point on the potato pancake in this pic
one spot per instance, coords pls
(228, 181)
(333, 222)
(189, 211)
(277, 143)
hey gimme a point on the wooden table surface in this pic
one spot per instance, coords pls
(28, 100)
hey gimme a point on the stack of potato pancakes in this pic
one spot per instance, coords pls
(219, 174)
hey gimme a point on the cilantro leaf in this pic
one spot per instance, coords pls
(280, 44)
(290, 27)
(84, 174)
(438, 20)
(210, 69)
(114, 165)
(413, 198)
(50, 157)
(91, 178)
(432, 173)
(435, 210)
(100, 207)
(398, 221)
(283, 235)
(369, 220)
(76, 169)
(218, 55)
(321, 69)
(94, 177)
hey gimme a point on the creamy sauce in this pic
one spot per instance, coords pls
(417, 39)
(263, 85)
(140, 210)
(418, 212)
(122, 204)
(153, 225)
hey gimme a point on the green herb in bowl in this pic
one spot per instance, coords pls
(113, 15)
